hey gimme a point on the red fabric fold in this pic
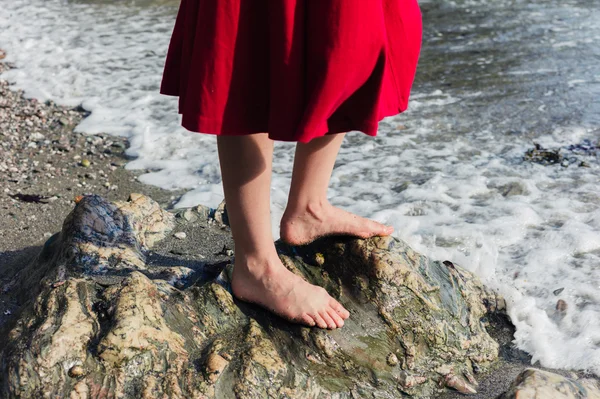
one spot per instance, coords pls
(296, 69)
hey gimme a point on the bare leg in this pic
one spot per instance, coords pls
(308, 214)
(258, 274)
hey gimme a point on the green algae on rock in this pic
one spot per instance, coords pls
(106, 323)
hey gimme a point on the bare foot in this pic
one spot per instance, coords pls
(277, 289)
(301, 228)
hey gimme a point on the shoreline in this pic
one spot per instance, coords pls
(46, 164)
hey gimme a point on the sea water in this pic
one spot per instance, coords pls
(494, 78)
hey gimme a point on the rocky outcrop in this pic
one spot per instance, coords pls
(539, 384)
(105, 322)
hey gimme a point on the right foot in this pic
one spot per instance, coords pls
(277, 289)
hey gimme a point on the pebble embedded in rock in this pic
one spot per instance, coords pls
(76, 371)
(458, 383)
(392, 359)
(215, 364)
(319, 259)
(408, 381)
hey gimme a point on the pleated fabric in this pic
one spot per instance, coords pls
(295, 69)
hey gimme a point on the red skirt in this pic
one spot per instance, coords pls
(296, 69)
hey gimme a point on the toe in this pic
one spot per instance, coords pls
(339, 322)
(330, 323)
(319, 320)
(382, 229)
(306, 319)
(335, 305)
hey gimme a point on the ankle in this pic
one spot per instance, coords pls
(315, 208)
(256, 263)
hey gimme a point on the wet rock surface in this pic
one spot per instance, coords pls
(539, 384)
(115, 312)
(582, 154)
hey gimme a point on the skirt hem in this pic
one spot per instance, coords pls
(201, 124)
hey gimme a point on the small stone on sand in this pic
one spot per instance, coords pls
(181, 235)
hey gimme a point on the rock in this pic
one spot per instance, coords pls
(225, 251)
(190, 216)
(392, 359)
(538, 384)
(202, 211)
(198, 213)
(137, 331)
(76, 371)
(543, 156)
(458, 383)
(37, 136)
(180, 235)
(319, 259)
(215, 364)
(408, 381)
(561, 306)
(220, 214)
(85, 163)
(512, 189)
(140, 331)
(175, 276)
(119, 145)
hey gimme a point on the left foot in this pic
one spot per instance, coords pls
(300, 228)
